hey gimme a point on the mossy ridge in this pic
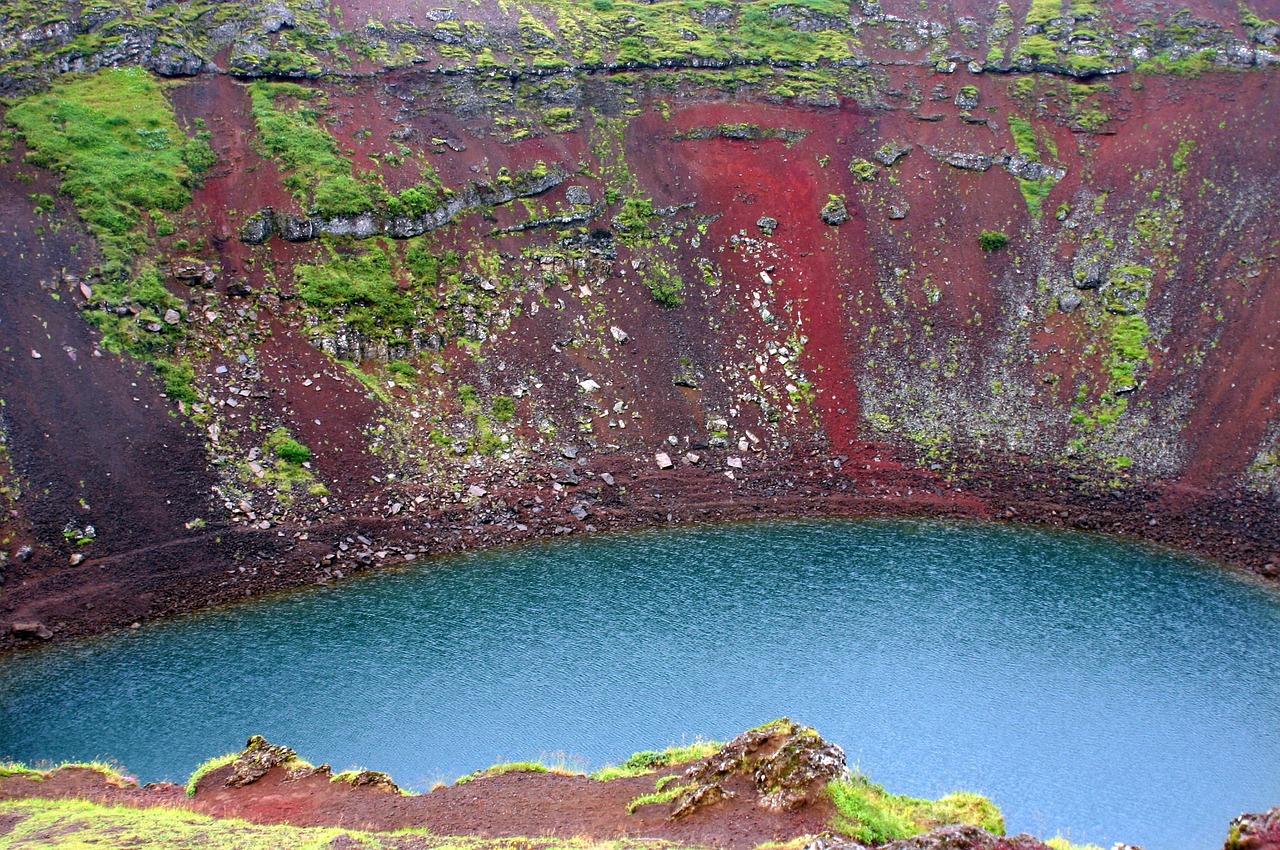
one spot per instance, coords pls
(868, 813)
(515, 767)
(109, 772)
(651, 761)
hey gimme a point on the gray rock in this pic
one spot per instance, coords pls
(24, 553)
(767, 224)
(569, 452)
(1069, 302)
(172, 316)
(259, 227)
(579, 511)
(578, 195)
(619, 335)
(834, 213)
(1087, 275)
(967, 98)
(963, 161)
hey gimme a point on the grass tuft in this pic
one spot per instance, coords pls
(650, 761)
(868, 813)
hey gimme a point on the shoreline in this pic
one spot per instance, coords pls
(225, 564)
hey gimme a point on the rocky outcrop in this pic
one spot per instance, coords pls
(789, 764)
(259, 757)
(1255, 832)
(367, 225)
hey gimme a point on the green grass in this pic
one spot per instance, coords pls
(113, 138)
(359, 290)
(662, 795)
(650, 761)
(208, 767)
(509, 767)
(76, 825)
(868, 813)
(14, 768)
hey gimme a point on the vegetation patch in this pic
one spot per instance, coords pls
(868, 813)
(113, 138)
(992, 240)
(650, 761)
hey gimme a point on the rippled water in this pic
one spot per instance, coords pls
(1098, 689)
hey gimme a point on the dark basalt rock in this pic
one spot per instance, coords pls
(258, 758)
(789, 764)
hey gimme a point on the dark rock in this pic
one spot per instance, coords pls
(1267, 36)
(294, 229)
(768, 225)
(256, 760)
(963, 161)
(1255, 832)
(1087, 275)
(24, 553)
(965, 837)
(704, 795)
(832, 842)
(371, 779)
(835, 213)
(890, 152)
(259, 227)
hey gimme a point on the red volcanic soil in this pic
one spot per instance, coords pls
(513, 804)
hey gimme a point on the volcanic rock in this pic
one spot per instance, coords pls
(789, 764)
(258, 757)
(1255, 832)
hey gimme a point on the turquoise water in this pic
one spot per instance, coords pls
(1099, 689)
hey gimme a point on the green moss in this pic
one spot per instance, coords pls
(863, 169)
(359, 291)
(75, 825)
(1185, 148)
(663, 795)
(992, 240)
(113, 138)
(649, 761)
(206, 768)
(868, 813)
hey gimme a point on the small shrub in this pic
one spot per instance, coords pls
(287, 448)
(992, 240)
(504, 408)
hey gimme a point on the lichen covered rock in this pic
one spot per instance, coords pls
(789, 764)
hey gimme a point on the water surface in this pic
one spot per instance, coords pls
(1099, 689)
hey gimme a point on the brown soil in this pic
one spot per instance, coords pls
(514, 804)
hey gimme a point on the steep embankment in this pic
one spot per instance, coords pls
(519, 271)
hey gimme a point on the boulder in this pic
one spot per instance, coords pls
(32, 630)
(370, 779)
(835, 213)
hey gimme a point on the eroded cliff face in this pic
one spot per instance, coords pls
(491, 272)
